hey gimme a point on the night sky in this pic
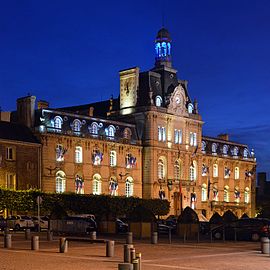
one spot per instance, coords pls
(70, 52)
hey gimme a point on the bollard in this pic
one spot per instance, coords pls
(132, 254)
(109, 248)
(27, 234)
(35, 242)
(6, 230)
(170, 236)
(265, 245)
(139, 258)
(125, 266)
(135, 263)
(129, 239)
(63, 245)
(154, 238)
(93, 235)
(7, 241)
(127, 248)
(49, 235)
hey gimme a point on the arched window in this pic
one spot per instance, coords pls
(247, 196)
(245, 153)
(127, 133)
(129, 187)
(60, 182)
(225, 150)
(203, 146)
(161, 169)
(79, 184)
(97, 184)
(60, 152)
(158, 101)
(190, 108)
(214, 148)
(236, 173)
(113, 186)
(58, 122)
(227, 172)
(78, 154)
(215, 193)
(76, 125)
(113, 158)
(204, 192)
(193, 171)
(215, 170)
(226, 194)
(111, 131)
(237, 195)
(235, 151)
(94, 128)
(177, 170)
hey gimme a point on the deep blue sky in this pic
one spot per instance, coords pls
(70, 52)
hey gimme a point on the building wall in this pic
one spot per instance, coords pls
(86, 169)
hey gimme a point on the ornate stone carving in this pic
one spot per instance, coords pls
(177, 103)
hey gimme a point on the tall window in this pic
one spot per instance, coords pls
(129, 187)
(60, 182)
(161, 169)
(177, 136)
(97, 184)
(78, 154)
(236, 173)
(10, 153)
(215, 170)
(158, 101)
(60, 152)
(177, 170)
(113, 158)
(11, 181)
(237, 194)
(204, 192)
(192, 172)
(193, 139)
(161, 134)
(246, 195)
(226, 194)
(58, 122)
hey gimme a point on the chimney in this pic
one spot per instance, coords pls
(42, 104)
(224, 137)
(26, 110)
(91, 111)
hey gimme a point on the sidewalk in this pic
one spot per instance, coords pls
(178, 255)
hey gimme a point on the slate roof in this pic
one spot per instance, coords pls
(16, 132)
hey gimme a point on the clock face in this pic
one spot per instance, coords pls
(177, 100)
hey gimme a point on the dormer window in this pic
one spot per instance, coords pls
(76, 125)
(111, 131)
(127, 133)
(58, 122)
(94, 128)
(245, 153)
(214, 148)
(225, 150)
(203, 146)
(235, 151)
(158, 101)
(190, 108)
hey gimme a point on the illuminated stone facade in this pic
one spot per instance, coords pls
(146, 143)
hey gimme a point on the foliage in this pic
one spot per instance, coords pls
(99, 205)
(188, 216)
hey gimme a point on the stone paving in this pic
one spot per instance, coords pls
(178, 255)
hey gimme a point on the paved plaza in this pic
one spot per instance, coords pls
(178, 255)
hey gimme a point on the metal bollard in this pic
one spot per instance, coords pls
(139, 258)
(49, 235)
(35, 242)
(7, 241)
(127, 248)
(170, 236)
(109, 248)
(27, 234)
(135, 263)
(265, 245)
(129, 239)
(93, 235)
(125, 266)
(63, 245)
(132, 254)
(154, 238)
